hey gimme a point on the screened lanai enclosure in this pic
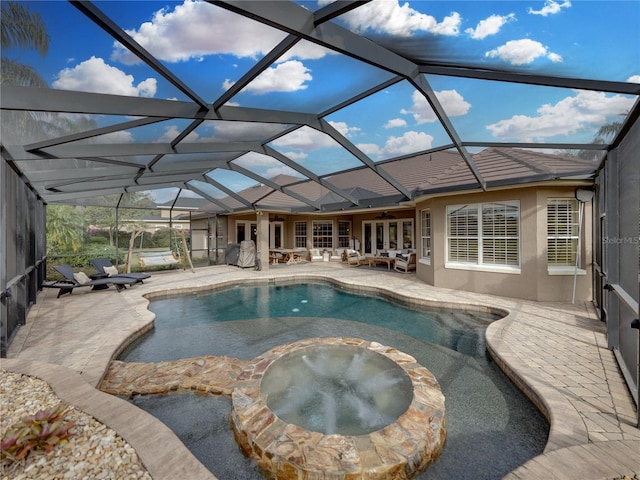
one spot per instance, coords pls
(317, 108)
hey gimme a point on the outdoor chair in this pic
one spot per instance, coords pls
(354, 259)
(74, 279)
(105, 267)
(405, 264)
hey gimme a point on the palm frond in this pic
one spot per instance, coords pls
(15, 73)
(22, 28)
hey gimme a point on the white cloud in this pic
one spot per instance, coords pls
(551, 7)
(296, 155)
(281, 170)
(266, 165)
(306, 51)
(94, 75)
(396, 122)
(521, 52)
(185, 33)
(306, 139)
(171, 132)
(554, 57)
(115, 137)
(285, 77)
(583, 111)
(410, 142)
(388, 16)
(489, 26)
(452, 102)
(256, 159)
(344, 129)
(370, 149)
(634, 79)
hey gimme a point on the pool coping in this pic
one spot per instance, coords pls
(567, 427)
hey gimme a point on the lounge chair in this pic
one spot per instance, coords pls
(74, 279)
(104, 266)
(405, 265)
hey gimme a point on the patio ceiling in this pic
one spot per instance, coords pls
(299, 126)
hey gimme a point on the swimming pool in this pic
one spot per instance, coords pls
(492, 428)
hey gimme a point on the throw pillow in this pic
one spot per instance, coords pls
(111, 271)
(81, 278)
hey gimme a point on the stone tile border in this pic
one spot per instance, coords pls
(286, 451)
(162, 453)
(43, 339)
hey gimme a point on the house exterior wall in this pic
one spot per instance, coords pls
(289, 220)
(532, 281)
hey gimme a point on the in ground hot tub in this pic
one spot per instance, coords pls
(343, 407)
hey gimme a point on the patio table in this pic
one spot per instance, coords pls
(390, 261)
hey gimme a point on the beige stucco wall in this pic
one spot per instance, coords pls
(289, 221)
(533, 281)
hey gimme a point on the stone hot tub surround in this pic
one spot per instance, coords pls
(282, 450)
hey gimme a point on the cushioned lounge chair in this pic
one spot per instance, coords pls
(104, 266)
(74, 279)
(405, 265)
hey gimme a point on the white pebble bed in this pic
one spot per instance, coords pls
(94, 452)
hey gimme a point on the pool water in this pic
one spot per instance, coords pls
(209, 316)
(492, 428)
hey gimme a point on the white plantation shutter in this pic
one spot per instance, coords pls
(500, 233)
(425, 227)
(562, 231)
(484, 234)
(462, 223)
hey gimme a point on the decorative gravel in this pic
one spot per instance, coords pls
(93, 452)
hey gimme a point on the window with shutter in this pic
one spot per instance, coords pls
(486, 234)
(425, 228)
(562, 232)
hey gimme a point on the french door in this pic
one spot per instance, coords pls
(246, 231)
(387, 235)
(276, 233)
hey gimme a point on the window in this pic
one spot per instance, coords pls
(407, 234)
(462, 228)
(500, 234)
(344, 234)
(425, 228)
(486, 234)
(300, 235)
(562, 232)
(322, 234)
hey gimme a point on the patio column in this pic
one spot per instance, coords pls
(262, 247)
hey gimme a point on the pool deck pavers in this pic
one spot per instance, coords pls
(556, 353)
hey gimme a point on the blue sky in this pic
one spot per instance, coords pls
(210, 49)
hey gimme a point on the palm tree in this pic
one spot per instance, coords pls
(605, 134)
(65, 227)
(21, 29)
